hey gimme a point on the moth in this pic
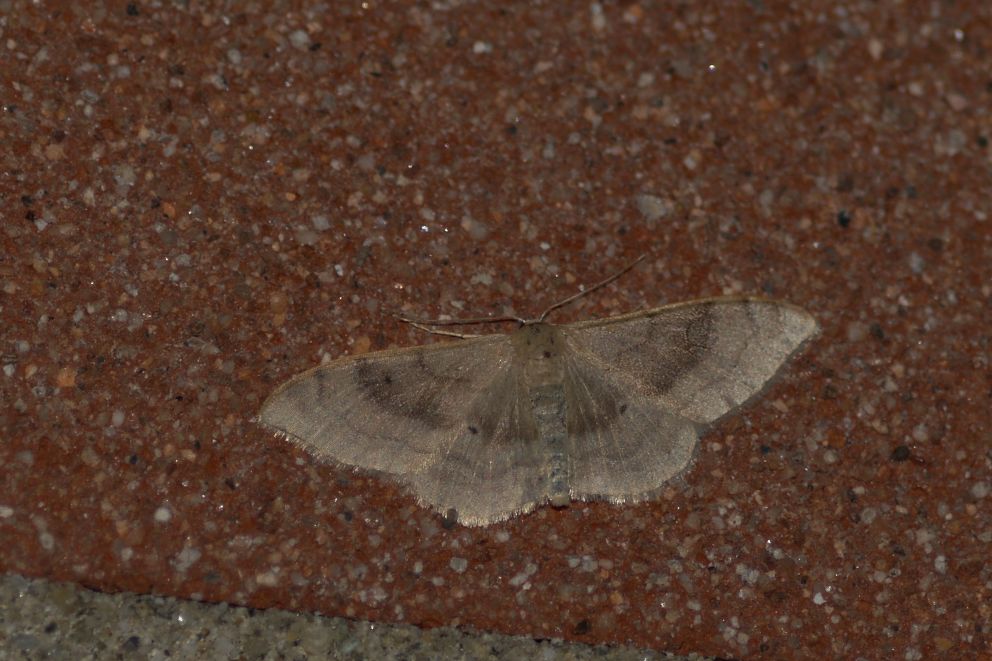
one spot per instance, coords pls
(489, 427)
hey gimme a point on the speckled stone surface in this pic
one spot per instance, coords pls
(44, 620)
(197, 203)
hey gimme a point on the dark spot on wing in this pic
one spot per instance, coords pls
(473, 429)
(623, 408)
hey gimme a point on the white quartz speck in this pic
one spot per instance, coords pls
(522, 577)
(186, 558)
(916, 263)
(652, 207)
(268, 579)
(300, 39)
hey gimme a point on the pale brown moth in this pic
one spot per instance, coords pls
(489, 427)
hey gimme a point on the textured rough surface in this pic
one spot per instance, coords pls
(196, 205)
(55, 621)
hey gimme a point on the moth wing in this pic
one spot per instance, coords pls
(393, 411)
(698, 359)
(620, 444)
(494, 468)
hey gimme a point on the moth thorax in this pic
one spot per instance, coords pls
(538, 349)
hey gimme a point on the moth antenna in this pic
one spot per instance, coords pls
(590, 290)
(457, 322)
(423, 324)
(434, 331)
